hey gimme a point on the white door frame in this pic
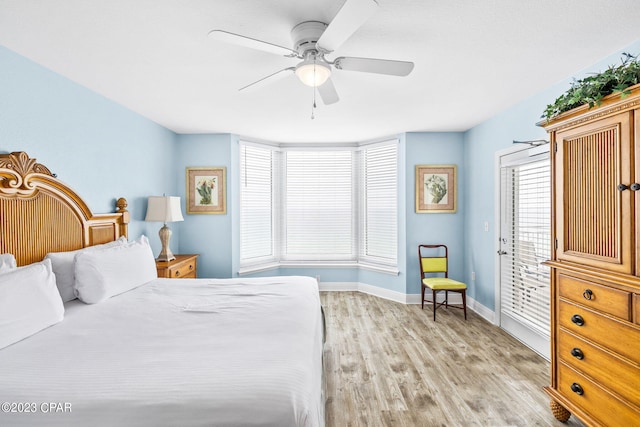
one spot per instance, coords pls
(497, 228)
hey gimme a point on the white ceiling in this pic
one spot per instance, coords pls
(473, 59)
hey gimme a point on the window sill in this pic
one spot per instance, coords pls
(379, 268)
(257, 268)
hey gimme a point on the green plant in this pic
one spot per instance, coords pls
(204, 187)
(591, 89)
(437, 187)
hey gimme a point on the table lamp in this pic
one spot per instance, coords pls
(164, 209)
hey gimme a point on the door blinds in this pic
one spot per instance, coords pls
(525, 281)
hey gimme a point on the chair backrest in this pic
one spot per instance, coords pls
(432, 260)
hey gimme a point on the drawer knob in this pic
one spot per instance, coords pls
(177, 273)
(577, 319)
(577, 389)
(190, 266)
(577, 353)
(588, 294)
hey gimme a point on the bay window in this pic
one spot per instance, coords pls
(318, 205)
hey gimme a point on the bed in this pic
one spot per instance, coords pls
(168, 352)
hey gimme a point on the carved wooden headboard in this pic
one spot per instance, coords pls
(40, 214)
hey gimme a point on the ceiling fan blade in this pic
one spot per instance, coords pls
(348, 19)
(269, 79)
(237, 39)
(378, 66)
(328, 93)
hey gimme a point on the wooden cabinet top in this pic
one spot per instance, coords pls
(610, 105)
(179, 258)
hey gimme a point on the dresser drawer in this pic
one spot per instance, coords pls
(594, 400)
(603, 367)
(184, 271)
(600, 297)
(617, 335)
(183, 267)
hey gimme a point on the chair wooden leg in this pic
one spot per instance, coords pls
(423, 296)
(446, 299)
(434, 304)
(464, 303)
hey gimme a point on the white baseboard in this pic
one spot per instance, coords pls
(482, 311)
(400, 297)
(364, 288)
(338, 286)
(383, 293)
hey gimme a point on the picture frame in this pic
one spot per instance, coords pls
(207, 190)
(436, 188)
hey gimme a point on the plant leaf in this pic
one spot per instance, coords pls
(592, 88)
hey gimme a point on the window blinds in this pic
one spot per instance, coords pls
(256, 205)
(379, 220)
(318, 204)
(525, 281)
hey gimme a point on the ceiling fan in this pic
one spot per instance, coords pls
(312, 41)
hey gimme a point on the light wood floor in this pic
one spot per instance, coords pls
(390, 364)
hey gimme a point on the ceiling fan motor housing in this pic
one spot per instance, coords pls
(305, 36)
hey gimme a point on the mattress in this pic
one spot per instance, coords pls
(175, 352)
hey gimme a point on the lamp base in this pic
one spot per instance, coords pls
(165, 253)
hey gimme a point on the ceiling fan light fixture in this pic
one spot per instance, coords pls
(313, 73)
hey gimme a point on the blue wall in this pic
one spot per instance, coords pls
(480, 145)
(206, 234)
(106, 151)
(446, 228)
(215, 237)
(99, 148)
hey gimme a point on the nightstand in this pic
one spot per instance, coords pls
(183, 267)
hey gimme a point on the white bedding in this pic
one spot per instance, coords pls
(233, 352)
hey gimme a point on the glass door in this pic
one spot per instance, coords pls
(525, 238)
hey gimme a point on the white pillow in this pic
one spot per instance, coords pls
(7, 263)
(63, 268)
(101, 274)
(29, 302)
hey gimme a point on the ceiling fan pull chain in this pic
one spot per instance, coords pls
(313, 106)
(314, 88)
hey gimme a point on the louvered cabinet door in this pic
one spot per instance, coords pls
(594, 223)
(636, 193)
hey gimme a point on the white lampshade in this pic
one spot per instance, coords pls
(164, 209)
(313, 73)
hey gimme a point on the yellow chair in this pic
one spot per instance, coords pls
(433, 262)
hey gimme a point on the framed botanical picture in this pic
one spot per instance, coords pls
(436, 188)
(207, 190)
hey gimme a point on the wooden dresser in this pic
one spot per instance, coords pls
(595, 268)
(183, 267)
